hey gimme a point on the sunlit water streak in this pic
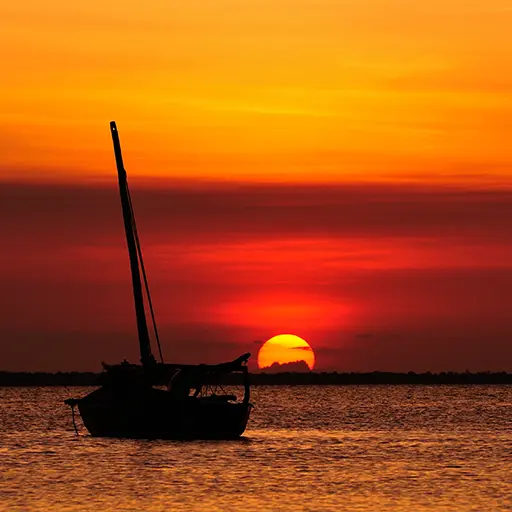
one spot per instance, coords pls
(307, 448)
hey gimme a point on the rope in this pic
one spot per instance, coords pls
(139, 252)
(73, 417)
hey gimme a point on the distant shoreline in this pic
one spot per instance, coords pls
(27, 379)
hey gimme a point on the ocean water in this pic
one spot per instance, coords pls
(375, 448)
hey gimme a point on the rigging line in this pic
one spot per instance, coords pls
(73, 418)
(139, 252)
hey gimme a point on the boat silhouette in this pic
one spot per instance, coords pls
(132, 401)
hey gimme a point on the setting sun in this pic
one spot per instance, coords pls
(285, 349)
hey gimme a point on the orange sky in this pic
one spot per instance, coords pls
(397, 255)
(255, 89)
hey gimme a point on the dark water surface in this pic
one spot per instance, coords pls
(306, 448)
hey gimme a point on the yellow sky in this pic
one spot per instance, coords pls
(258, 89)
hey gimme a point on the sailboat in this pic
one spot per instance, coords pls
(157, 400)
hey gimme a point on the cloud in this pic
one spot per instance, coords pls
(365, 335)
(64, 214)
(297, 366)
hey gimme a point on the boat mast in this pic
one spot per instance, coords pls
(146, 357)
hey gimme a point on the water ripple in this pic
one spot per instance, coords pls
(307, 448)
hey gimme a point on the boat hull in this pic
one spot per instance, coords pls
(156, 415)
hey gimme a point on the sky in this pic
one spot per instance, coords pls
(339, 170)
